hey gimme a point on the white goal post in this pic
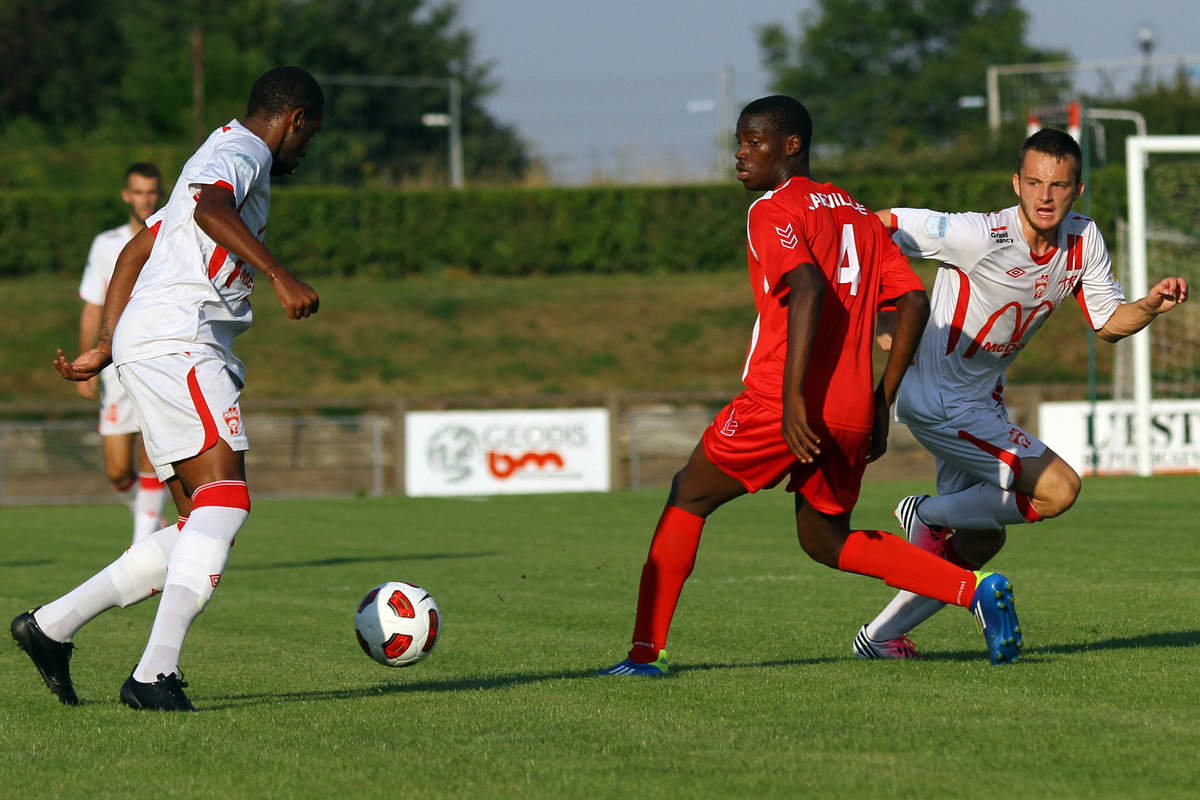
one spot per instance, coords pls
(1136, 150)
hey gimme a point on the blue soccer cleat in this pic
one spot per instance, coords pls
(993, 608)
(655, 669)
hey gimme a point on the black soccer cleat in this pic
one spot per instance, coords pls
(52, 659)
(165, 694)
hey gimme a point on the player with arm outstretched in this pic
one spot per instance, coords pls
(179, 295)
(1002, 274)
(819, 265)
(133, 480)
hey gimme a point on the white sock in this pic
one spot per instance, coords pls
(127, 494)
(147, 509)
(983, 506)
(905, 612)
(193, 571)
(134, 576)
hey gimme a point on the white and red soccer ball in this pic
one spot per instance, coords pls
(397, 623)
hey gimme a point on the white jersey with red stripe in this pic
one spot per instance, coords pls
(115, 416)
(990, 297)
(192, 294)
(102, 257)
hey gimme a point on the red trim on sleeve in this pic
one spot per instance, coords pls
(1079, 298)
(206, 419)
(154, 229)
(893, 223)
(225, 185)
(227, 494)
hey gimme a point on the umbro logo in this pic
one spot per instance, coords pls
(787, 237)
(1016, 272)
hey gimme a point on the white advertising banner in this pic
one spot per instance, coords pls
(506, 452)
(1108, 438)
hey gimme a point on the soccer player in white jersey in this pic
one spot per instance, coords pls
(178, 296)
(1001, 275)
(136, 484)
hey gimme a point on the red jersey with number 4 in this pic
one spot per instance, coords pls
(800, 222)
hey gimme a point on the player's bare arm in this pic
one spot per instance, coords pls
(912, 312)
(806, 290)
(1129, 318)
(89, 327)
(90, 362)
(216, 214)
(885, 216)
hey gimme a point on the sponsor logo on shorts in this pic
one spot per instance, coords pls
(214, 579)
(233, 420)
(111, 414)
(1019, 438)
(731, 425)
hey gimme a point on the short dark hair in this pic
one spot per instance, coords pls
(1056, 143)
(788, 116)
(282, 89)
(144, 169)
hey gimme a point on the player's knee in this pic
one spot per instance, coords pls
(822, 549)
(121, 478)
(1056, 492)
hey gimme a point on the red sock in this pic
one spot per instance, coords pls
(905, 566)
(672, 556)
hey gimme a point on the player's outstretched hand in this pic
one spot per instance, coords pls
(799, 437)
(1167, 293)
(297, 297)
(85, 366)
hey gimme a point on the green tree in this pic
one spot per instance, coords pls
(889, 73)
(78, 75)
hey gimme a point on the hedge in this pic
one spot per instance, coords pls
(500, 231)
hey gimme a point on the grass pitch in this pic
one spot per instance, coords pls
(764, 700)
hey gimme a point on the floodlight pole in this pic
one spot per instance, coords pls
(453, 87)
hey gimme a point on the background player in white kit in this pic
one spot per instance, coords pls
(1001, 275)
(135, 483)
(179, 294)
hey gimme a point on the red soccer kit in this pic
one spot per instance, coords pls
(799, 222)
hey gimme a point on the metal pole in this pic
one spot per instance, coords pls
(456, 155)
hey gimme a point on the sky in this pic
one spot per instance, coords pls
(630, 91)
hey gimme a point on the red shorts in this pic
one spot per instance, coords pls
(746, 441)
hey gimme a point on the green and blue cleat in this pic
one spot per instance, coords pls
(655, 669)
(993, 608)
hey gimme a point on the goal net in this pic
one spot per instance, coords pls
(1157, 369)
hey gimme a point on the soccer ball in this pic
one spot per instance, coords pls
(397, 623)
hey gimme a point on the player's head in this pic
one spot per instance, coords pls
(1048, 178)
(290, 97)
(774, 136)
(142, 190)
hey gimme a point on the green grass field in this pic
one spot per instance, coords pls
(764, 700)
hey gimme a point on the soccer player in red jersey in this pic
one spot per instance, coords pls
(820, 264)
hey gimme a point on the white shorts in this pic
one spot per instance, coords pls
(976, 444)
(117, 416)
(184, 404)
